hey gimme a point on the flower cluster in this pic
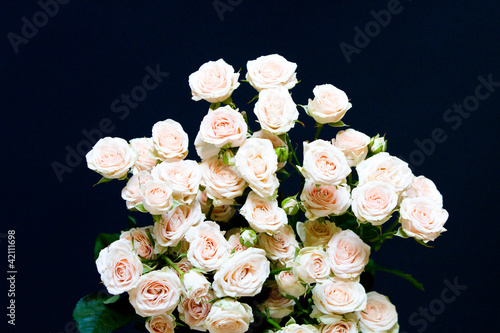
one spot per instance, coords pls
(226, 245)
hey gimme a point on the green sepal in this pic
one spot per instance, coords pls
(112, 299)
(103, 180)
(339, 123)
(214, 106)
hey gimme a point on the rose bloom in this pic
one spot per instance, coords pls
(296, 328)
(194, 312)
(157, 197)
(353, 144)
(379, 316)
(288, 284)
(243, 274)
(213, 82)
(348, 254)
(311, 265)
(184, 265)
(324, 164)
(325, 200)
(316, 233)
(140, 241)
(158, 292)
(119, 266)
(338, 297)
(132, 193)
(424, 187)
(263, 215)
(385, 168)
(342, 326)
(163, 323)
(145, 148)
(174, 224)
(271, 71)
(170, 140)
(276, 110)
(329, 105)
(222, 183)
(235, 244)
(221, 127)
(221, 213)
(229, 316)
(275, 140)
(422, 218)
(112, 158)
(256, 162)
(281, 246)
(278, 305)
(374, 202)
(195, 285)
(185, 177)
(208, 249)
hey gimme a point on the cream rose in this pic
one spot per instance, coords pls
(195, 285)
(140, 241)
(374, 202)
(424, 187)
(119, 266)
(221, 213)
(281, 246)
(329, 105)
(296, 328)
(316, 233)
(324, 164)
(194, 312)
(235, 244)
(422, 218)
(311, 265)
(229, 316)
(276, 111)
(221, 127)
(208, 249)
(163, 323)
(275, 140)
(278, 305)
(342, 326)
(222, 183)
(385, 168)
(132, 193)
(158, 292)
(157, 197)
(325, 200)
(213, 82)
(256, 162)
(145, 148)
(379, 316)
(170, 140)
(348, 254)
(185, 177)
(338, 297)
(288, 284)
(353, 144)
(271, 71)
(263, 215)
(184, 265)
(112, 158)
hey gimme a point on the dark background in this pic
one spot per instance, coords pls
(64, 79)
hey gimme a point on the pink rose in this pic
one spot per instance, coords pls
(277, 305)
(221, 213)
(342, 326)
(316, 233)
(385, 168)
(140, 241)
(184, 176)
(263, 215)
(374, 202)
(348, 254)
(111, 157)
(338, 297)
(235, 244)
(353, 144)
(163, 323)
(194, 312)
(227, 315)
(281, 246)
(288, 284)
(271, 71)
(379, 316)
(195, 285)
(422, 218)
(213, 82)
(329, 105)
(275, 140)
(276, 110)
(170, 140)
(222, 183)
(157, 197)
(325, 200)
(324, 164)
(424, 187)
(132, 193)
(145, 148)
(311, 265)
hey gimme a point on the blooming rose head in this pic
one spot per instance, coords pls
(119, 266)
(112, 158)
(256, 162)
(222, 183)
(324, 163)
(329, 105)
(184, 265)
(379, 315)
(170, 140)
(275, 140)
(185, 177)
(338, 297)
(141, 242)
(316, 233)
(221, 127)
(213, 82)
(271, 71)
(276, 110)
(424, 187)
(195, 285)
(296, 328)
(132, 193)
(158, 292)
(311, 265)
(229, 316)
(353, 144)
(422, 218)
(263, 215)
(157, 197)
(341, 326)
(280, 246)
(278, 305)
(374, 202)
(288, 284)
(194, 312)
(163, 323)
(324, 200)
(145, 148)
(348, 254)
(385, 168)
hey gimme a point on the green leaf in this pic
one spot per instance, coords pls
(132, 223)
(339, 123)
(92, 315)
(371, 267)
(102, 241)
(112, 299)
(103, 180)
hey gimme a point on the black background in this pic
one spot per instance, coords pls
(63, 80)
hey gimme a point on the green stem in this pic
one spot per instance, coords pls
(173, 265)
(280, 270)
(290, 148)
(269, 320)
(210, 210)
(320, 127)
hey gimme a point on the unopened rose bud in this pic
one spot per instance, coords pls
(282, 153)
(228, 157)
(377, 144)
(248, 238)
(290, 205)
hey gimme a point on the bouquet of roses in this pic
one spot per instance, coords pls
(226, 251)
